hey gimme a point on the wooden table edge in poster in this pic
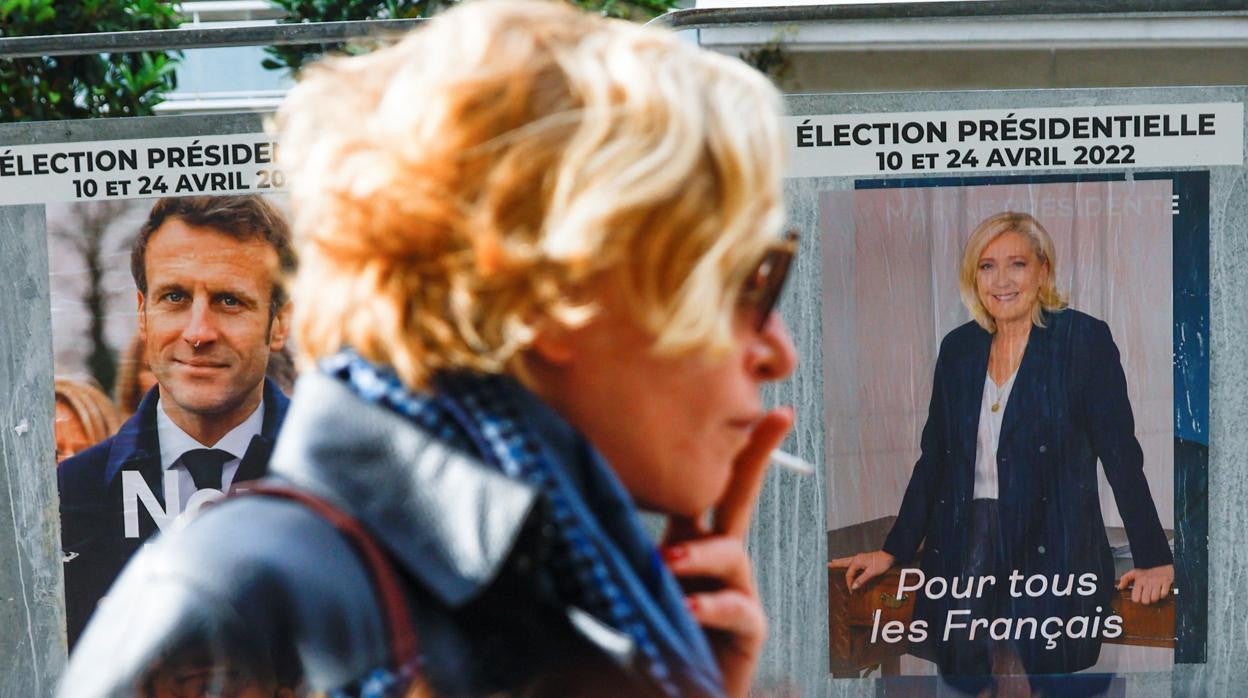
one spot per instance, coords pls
(852, 655)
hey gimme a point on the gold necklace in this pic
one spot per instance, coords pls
(997, 390)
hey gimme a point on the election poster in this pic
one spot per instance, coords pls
(169, 333)
(1017, 406)
(1101, 441)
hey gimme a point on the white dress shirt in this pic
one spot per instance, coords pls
(989, 436)
(174, 442)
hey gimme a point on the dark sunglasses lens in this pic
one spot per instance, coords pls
(774, 271)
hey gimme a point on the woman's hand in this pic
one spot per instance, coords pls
(1150, 585)
(713, 567)
(864, 567)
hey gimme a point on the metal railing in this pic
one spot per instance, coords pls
(704, 18)
(200, 37)
(697, 18)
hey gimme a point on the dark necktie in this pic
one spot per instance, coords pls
(204, 464)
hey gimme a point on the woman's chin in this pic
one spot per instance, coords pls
(1010, 313)
(687, 504)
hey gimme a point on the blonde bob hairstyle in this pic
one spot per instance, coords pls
(90, 406)
(504, 166)
(1047, 299)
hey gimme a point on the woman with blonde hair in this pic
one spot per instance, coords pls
(84, 417)
(539, 256)
(1027, 397)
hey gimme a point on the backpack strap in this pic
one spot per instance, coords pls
(404, 645)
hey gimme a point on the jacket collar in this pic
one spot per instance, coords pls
(137, 447)
(1030, 373)
(446, 518)
(976, 369)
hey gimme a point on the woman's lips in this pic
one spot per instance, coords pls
(1005, 297)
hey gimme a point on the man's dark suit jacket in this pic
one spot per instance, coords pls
(92, 525)
(1068, 407)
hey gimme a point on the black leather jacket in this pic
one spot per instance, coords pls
(272, 591)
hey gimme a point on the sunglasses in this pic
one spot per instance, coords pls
(762, 287)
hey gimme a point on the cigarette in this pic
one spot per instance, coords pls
(788, 461)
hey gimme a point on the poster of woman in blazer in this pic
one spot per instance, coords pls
(1026, 398)
(1030, 504)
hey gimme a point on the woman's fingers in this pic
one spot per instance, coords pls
(864, 567)
(1148, 586)
(732, 515)
(869, 571)
(713, 566)
(1156, 590)
(733, 612)
(856, 567)
(720, 593)
(681, 529)
(720, 557)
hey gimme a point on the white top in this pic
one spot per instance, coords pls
(174, 442)
(989, 436)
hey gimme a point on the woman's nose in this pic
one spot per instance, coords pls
(999, 279)
(774, 357)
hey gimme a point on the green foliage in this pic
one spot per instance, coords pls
(292, 58)
(71, 87)
(635, 10)
(771, 59)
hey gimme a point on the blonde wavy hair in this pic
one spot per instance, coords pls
(1048, 298)
(502, 165)
(97, 414)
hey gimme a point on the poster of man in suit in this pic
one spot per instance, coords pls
(170, 323)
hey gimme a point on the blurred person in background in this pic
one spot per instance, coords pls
(84, 416)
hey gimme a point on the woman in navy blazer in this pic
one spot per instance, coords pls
(1025, 400)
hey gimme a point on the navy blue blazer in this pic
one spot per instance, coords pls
(1067, 409)
(93, 537)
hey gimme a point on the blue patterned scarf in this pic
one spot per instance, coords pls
(604, 562)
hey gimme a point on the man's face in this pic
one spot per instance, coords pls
(205, 322)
